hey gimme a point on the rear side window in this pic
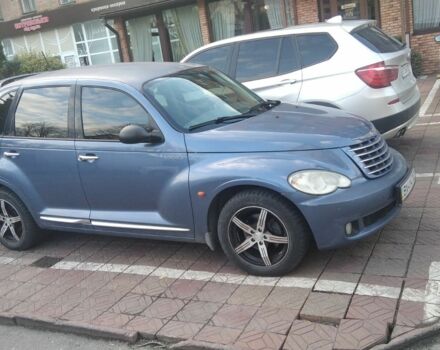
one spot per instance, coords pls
(257, 59)
(217, 57)
(316, 48)
(288, 56)
(42, 112)
(376, 40)
(5, 105)
(106, 111)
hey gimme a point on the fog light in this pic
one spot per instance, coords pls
(349, 229)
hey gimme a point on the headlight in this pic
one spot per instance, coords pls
(318, 182)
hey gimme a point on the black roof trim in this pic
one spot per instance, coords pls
(15, 78)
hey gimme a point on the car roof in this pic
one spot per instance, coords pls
(348, 26)
(134, 74)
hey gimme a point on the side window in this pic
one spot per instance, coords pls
(288, 56)
(257, 59)
(5, 105)
(217, 57)
(42, 112)
(316, 48)
(106, 111)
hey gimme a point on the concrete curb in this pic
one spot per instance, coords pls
(199, 345)
(78, 328)
(85, 329)
(410, 337)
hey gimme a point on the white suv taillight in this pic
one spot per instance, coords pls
(378, 75)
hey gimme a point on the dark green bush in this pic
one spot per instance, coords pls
(416, 63)
(29, 63)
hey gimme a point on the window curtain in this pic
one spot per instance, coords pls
(187, 27)
(426, 14)
(95, 30)
(222, 14)
(140, 38)
(274, 13)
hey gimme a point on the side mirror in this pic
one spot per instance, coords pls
(437, 38)
(132, 134)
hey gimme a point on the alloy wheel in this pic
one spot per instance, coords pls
(10, 222)
(258, 236)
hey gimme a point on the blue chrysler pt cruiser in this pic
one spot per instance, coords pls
(182, 152)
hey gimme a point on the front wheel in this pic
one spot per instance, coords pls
(262, 233)
(18, 230)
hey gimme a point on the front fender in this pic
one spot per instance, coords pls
(214, 173)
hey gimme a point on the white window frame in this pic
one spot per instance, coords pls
(66, 2)
(109, 36)
(30, 4)
(9, 51)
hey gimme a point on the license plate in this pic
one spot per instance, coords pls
(407, 185)
(405, 71)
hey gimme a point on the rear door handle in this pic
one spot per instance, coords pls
(89, 158)
(288, 81)
(11, 154)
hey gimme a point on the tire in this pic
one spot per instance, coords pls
(282, 230)
(25, 232)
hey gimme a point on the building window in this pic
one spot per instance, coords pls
(348, 9)
(66, 2)
(183, 24)
(28, 6)
(230, 18)
(144, 39)
(227, 18)
(271, 14)
(95, 44)
(8, 48)
(426, 15)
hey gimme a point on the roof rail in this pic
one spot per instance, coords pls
(15, 78)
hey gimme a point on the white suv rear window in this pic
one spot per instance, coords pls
(376, 40)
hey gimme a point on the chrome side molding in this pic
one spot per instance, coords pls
(138, 227)
(112, 224)
(65, 220)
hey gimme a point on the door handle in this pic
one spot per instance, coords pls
(288, 81)
(89, 158)
(11, 154)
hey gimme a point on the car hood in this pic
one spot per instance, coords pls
(284, 128)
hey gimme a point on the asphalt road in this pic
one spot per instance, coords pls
(432, 343)
(19, 338)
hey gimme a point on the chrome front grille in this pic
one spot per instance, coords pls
(372, 155)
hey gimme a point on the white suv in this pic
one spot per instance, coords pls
(350, 65)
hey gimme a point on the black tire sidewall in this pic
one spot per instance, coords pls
(297, 231)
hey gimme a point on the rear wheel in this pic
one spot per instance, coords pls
(262, 233)
(18, 230)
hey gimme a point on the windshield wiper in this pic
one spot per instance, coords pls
(252, 112)
(221, 120)
(269, 104)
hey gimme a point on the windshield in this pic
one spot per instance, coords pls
(200, 95)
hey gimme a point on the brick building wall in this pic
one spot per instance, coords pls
(306, 11)
(204, 21)
(391, 17)
(426, 46)
(394, 18)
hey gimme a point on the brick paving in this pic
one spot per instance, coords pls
(351, 298)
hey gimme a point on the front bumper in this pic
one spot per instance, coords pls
(369, 204)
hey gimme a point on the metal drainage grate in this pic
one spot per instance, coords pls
(46, 261)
